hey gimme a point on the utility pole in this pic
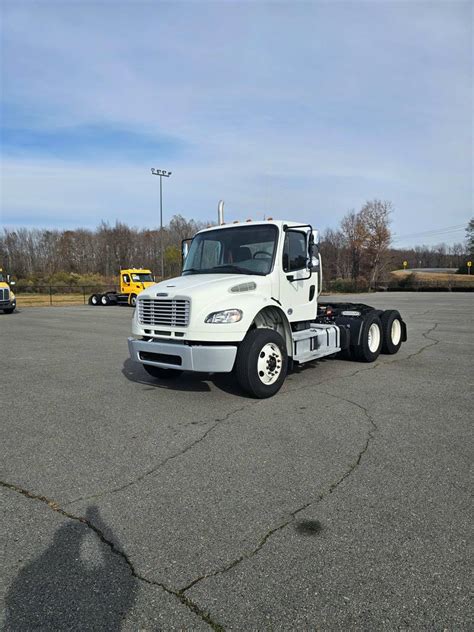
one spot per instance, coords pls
(162, 173)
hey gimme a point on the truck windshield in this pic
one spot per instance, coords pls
(241, 250)
(142, 278)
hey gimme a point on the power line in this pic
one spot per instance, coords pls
(431, 233)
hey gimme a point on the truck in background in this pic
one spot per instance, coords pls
(247, 301)
(7, 297)
(132, 281)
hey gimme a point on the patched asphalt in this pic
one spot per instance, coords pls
(341, 503)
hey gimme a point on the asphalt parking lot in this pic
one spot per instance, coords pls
(341, 503)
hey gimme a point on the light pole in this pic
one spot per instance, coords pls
(166, 174)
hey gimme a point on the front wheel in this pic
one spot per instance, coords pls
(162, 374)
(262, 363)
(133, 300)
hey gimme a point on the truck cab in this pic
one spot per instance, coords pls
(247, 301)
(7, 297)
(133, 281)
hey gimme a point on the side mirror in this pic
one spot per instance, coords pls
(12, 283)
(313, 254)
(185, 248)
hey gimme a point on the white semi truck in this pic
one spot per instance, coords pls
(247, 301)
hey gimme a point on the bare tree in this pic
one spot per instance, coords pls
(355, 234)
(375, 219)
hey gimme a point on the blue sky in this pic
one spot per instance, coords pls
(298, 110)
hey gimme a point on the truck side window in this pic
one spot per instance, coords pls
(294, 251)
(126, 278)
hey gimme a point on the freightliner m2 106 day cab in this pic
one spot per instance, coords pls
(248, 302)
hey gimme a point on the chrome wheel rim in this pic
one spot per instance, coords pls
(374, 337)
(396, 331)
(269, 363)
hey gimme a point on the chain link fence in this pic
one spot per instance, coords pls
(41, 295)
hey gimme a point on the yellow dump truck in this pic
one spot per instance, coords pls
(132, 282)
(7, 298)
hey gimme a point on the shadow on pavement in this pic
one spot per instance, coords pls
(308, 527)
(76, 584)
(193, 382)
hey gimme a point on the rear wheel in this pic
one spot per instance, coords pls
(94, 299)
(370, 340)
(163, 374)
(104, 300)
(262, 363)
(391, 331)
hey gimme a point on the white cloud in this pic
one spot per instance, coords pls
(304, 108)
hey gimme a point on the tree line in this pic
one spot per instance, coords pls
(357, 255)
(38, 255)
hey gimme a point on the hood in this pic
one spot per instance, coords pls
(200, 282)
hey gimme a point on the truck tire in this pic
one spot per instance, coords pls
(391, 331)
(163, 374)
(262, 363)
(104, 300)
(133, 300)
(94, 299)
(370, 344)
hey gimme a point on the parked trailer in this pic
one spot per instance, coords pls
(132, 282)
(248, 302)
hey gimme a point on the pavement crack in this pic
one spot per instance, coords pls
(54, 506)
(320, 497)
(190, 446)
(161, 463)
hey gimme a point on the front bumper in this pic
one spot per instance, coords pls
(8, 304)
(201, 358)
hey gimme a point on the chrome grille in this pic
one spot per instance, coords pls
(171, 312)
(4, 294)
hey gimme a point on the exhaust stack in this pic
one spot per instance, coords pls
(220, 213)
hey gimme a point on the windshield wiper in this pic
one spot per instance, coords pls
(191, 270)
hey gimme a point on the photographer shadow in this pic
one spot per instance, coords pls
(76, 584)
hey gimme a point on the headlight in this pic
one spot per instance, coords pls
(226, 316)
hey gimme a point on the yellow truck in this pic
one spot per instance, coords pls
(132, 282)
(7, 298)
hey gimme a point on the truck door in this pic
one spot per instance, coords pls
(125, 283)
(298, 287)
